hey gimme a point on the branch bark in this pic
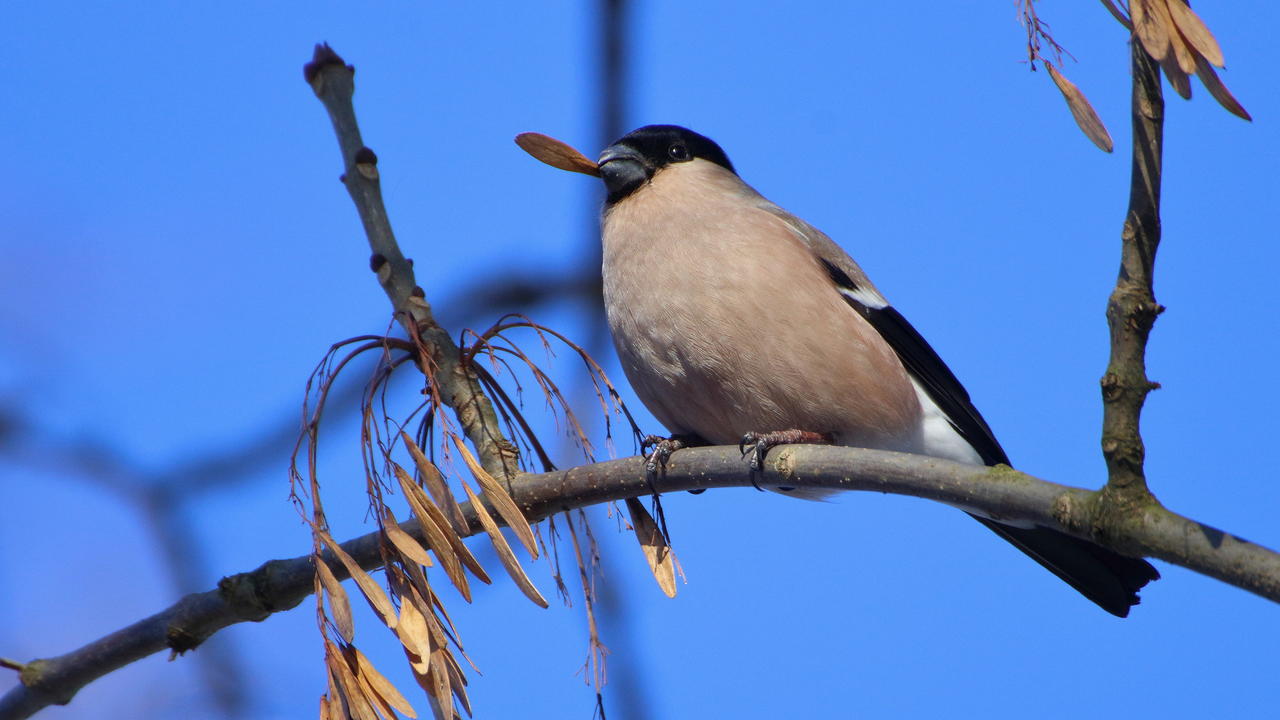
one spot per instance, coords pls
(333, 82)
(1132, 308)
(999, 492)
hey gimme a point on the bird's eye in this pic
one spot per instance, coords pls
(678, 152)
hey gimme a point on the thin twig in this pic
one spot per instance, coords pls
(334, 84)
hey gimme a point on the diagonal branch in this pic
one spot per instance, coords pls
(457, 387)
(997, 492)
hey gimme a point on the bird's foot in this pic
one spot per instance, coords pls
(656, 461)
(757, 445)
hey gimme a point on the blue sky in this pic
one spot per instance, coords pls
(178, 254)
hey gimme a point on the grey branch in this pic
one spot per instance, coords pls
(997, 492)
(1132, 308)
(455, 385)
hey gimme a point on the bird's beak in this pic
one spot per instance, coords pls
(614, 153)
(623, 168)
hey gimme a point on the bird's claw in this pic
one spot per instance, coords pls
(757, 446)
(656, 461)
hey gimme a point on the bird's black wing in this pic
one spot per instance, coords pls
(920, 359)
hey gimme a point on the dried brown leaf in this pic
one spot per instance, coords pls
(338, 601)
(418, 579)
(376, 701)
(435, 631)
(436, 533)
(413, 631)
(336, 700)
(1081, 110)
(381, 685)
(557, 154)
(1179, 51)
(1148, 26)
(429, 605)
(423, 673)
(370, 589)
(1182, 51)
(440, 627)
(436, 485)
(458, 682)
(501, 501)
(1219, 91)
(455, 670)
(1196, 32)
(417, 663)
(435, 682)
(656, 551)
(441, 623)
(439, 675)
(446, 528)
(1178, 80)
(403, 541)
(1119, 16)
(503, 549)
(358, 706)
(379, 705)
(428, 686)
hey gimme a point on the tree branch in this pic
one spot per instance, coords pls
(1132, 309)
(455, 385)
(998, 492)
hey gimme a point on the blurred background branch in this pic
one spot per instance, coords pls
(166, 500)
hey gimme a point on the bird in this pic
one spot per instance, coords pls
(737, 322)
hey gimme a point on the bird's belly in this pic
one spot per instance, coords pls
(740, 363)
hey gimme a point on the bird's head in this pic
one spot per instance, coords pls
(637, 156)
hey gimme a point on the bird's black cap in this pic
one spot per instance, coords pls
(635, 157)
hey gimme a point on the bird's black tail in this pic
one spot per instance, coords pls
(1104, 576)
